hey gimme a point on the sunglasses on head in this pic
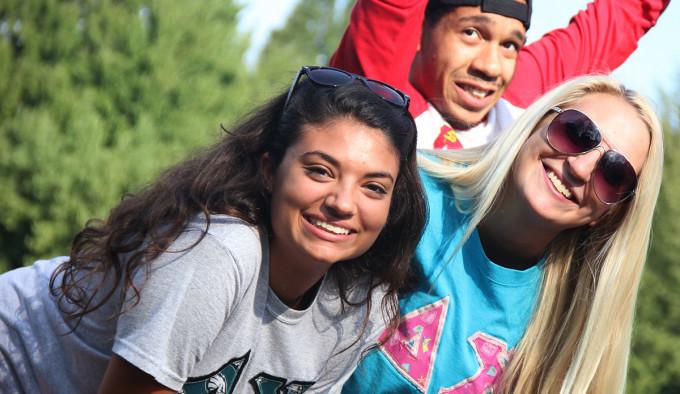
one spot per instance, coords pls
(573, 133)
(334, 77)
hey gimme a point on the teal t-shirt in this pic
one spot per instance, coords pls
(462, 320)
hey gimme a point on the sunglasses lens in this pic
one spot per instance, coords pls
(573, 132)
(386, 93)
(329, 77)
(615, 178)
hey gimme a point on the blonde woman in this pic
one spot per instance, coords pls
(532, 255)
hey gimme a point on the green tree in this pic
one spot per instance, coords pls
(655, 361)
(95, 99)
(310, 36)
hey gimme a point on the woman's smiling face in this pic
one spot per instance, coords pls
(556, 188)
(331, 193)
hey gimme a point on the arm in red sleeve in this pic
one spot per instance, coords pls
(381, 41)
(596, 40)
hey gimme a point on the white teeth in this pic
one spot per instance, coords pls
(559, 185)
(478, 93)
(329, 227)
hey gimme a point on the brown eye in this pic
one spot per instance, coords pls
(376, 188)
(471, 34)
(317, 171)
(511, 45)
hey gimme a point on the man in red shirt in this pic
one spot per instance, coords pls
(469, 74)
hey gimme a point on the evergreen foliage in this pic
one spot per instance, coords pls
(95, 99)
(308, 38)
(655, 361)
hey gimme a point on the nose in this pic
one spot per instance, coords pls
(581, 166)
(487, 63)
(340, 202)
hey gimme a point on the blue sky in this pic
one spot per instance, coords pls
(654, 66)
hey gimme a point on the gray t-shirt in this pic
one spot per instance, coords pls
(206, 321)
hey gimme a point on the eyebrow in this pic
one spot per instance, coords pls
(333, 161)
(483, 20)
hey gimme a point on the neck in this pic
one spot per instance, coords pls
(510, 239)
(458, 125)
(293, 283)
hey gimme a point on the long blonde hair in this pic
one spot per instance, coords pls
(578, 339)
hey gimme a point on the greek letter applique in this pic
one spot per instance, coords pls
(222, 381)
(267, 384)
(492, 354)
(447, 139)
(412, 349)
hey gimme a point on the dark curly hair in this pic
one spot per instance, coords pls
(227, 178)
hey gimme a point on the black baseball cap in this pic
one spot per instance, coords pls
(509, 8)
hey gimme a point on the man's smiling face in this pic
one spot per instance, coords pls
(465, 62)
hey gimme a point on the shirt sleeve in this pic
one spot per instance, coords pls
(186, 297)
(381, 41)
(596, 41)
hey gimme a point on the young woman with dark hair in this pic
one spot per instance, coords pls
(265, 263)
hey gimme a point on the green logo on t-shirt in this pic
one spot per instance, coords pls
(225, 378)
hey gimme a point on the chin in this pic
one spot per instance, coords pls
(329, 258)
(555, 217)
(465, 122)
(334, 258)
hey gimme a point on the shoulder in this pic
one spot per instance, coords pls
(225, 245)
(229, 237)
(235, 234)
(224, 227)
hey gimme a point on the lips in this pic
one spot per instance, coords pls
(558, 185)
(331, 228)
(474, 96)
(478, 93)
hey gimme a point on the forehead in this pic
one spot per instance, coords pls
(620, 124)
(351, 143)
(474, 15)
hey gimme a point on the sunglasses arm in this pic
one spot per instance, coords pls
(293, 85)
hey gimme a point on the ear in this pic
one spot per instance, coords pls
(267, 171)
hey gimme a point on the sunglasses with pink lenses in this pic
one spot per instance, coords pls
(573, 133)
